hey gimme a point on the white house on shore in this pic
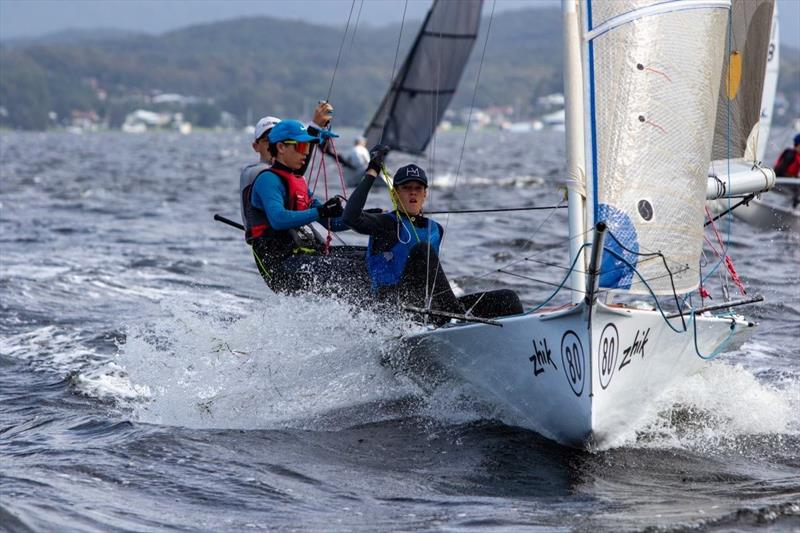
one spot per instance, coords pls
(143, 120)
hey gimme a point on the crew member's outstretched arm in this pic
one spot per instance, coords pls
(354, 215)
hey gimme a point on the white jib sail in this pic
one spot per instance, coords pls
(652, 75)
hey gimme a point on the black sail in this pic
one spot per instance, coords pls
(426, 81)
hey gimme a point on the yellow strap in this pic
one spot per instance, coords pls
(301, 249)
(264, 271)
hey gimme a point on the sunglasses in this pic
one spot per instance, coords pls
(300, 147)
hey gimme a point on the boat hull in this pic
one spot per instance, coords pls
(584, 376)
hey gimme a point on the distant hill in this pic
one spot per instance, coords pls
(70, 36)
(262, 65)
(253, 66)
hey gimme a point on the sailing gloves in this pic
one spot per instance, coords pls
(331, 209)
(377, 155)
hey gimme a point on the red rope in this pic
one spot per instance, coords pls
(339, 168)
(734, 275)
(319, 170)
(324, 168)
(726, 258)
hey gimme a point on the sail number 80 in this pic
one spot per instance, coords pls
(574, 362)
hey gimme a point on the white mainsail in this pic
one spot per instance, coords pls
(652, 72)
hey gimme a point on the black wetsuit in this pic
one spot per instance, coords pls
(423, 275)
(294, 260)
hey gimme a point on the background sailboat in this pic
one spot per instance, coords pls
(426, 81)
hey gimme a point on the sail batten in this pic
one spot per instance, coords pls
(654, 75)
(424, 91)
(443, 35)
(426, 82)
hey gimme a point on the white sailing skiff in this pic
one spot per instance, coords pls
(641, 84)
(582, 376)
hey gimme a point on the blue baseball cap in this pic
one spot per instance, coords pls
(409, 173)
(290, 130)
(797, 139)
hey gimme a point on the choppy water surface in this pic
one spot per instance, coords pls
(149, 380)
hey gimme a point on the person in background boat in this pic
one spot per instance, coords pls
(251, 172)
(291, 256)
(788, 165)
(356, 160)
(403, 251)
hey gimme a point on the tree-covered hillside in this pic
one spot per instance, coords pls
(249, 67)
(257, 65)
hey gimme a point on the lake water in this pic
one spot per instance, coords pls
(149, 380)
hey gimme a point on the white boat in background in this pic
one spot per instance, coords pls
(555, 120)
(641, 81)
(744, 118)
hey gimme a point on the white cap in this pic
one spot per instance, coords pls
(264, 124)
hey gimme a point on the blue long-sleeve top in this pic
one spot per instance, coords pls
(269, 195)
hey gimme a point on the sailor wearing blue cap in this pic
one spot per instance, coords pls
(260, 144)
(281, 208)
(403, 251)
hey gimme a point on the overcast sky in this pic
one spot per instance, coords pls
(30, 18)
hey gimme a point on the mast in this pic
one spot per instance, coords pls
(576, 156)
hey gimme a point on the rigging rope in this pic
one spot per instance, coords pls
(469, 120)
(432, 170)
(355, 28)
(501, 210)
(726, 259)
(729, 126)
(396, 54)
(474, 95)
(339, 168)
(341, 46)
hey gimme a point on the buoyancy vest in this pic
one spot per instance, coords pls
(296, 199)
(788, 164)
(251, 217)
(386, 269)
